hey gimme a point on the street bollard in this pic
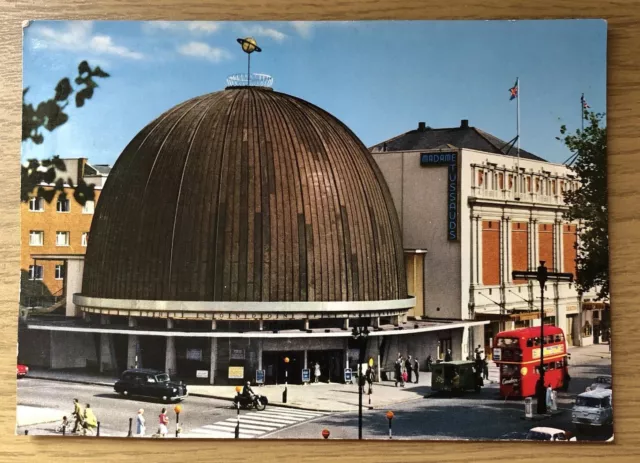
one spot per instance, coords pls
(26, 432)
(130, 434)
(64, 430)
(98, 431)
(177, 409)
(370, 407)
(528, 408)
(286, 377)
(390, 418)
(237, 436)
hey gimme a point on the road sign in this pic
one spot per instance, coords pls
(348, 378)
(202, 373)
(306, 375)
(259, 376)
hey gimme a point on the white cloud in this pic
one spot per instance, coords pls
(302, 27)
(202, 50)
(260, 31)
(78, 36)
(197, 27)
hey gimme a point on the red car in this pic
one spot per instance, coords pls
(22, 371)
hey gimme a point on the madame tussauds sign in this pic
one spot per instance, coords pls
(450, 160)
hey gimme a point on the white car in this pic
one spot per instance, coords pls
(550, 434)
(593, 408)
(601, 382)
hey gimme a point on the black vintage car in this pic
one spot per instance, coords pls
(150, 383)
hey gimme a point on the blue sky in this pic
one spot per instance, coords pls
(379, 78)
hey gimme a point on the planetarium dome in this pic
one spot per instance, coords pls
(245, 195)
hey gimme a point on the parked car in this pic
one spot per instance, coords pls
(23, 370)
(150, 383)
(550, 434)
(601, 382)
(514, 435)
(593, 408)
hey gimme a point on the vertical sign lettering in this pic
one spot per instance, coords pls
(451, 161)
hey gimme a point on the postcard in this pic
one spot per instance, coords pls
(316, 230)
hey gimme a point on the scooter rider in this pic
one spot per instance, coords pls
(247, 392)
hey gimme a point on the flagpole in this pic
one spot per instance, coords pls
(518, 189)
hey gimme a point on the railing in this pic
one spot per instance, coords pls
(510, 195)
(249, 80)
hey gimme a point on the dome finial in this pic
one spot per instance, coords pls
(249, 45)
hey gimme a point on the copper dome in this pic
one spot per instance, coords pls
(245, 194)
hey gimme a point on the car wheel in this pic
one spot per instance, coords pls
(125, 393)
(165, 398)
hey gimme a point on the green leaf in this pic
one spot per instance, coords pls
(63, 90)
(84, 68)
(99, 72)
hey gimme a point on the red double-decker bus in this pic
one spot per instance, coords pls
(517, 355)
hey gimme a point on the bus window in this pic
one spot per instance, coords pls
(529, 342)
(558, 338)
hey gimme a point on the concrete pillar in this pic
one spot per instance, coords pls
(214, 357)
(306, 358)
(170, 353)
(260, 354)
(306, 326)
(346, 323)
(133, 359)
(105, 351)
(214, 325)
(261, 325)
(375, 322)
(346, 353)
(465, 344)
(479, 250)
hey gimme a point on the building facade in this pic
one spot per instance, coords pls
(54, 237)
(476, 211)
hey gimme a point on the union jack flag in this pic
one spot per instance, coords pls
(514, 91)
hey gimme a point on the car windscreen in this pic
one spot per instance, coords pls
(535, 435)
(163, 378)
(593, 402)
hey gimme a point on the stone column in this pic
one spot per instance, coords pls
(306, 357)
(260, 342)
(306, 325)
(133, 358)
(170, 353)
(465, 343)
(105, 346)
(261, 325)
(214, 358)
(346, 323)
(346, 353)
(375, 322)
(479, 250)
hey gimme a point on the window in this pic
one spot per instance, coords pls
(36, 238)
(62, 238)
(59, 272)
(36, 204)
(35, 272)
(63, 205)
(88, 207)
(85, 238)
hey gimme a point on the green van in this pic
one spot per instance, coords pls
(456, 376)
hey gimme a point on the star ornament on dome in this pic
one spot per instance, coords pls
(249, 45)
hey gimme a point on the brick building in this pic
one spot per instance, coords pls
(471, 212)
(54, 237)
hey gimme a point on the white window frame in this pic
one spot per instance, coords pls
(63, 201)
(32, 272)
(36, 200)
(59, 275)
(61, 233)
(85, 209)
(85, 239)
(33, 233)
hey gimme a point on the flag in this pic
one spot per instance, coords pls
(514, 91)
(585, 105)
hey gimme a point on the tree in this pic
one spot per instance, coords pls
(49, 115)
(588, 203)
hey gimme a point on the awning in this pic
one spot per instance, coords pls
(593, 305)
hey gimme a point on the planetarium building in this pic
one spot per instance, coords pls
(239, 228)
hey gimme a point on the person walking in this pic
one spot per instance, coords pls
(448, 357)
(89, 421)
(416, 368)
(485, 369)
(429, 363)
(398, 371)
(140, 427)
(368, 376)
(316, 372)
(408, 364)
(164, 423)
(77, 413)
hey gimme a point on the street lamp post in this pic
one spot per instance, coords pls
(237, 430)
(360, 333)
(390, 418)
(542, 275)
(286, 378)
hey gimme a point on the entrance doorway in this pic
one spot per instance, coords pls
(153, 350)
(275, 368)
(331, 364)
(571, 326)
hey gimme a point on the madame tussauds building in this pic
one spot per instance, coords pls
(238, 229)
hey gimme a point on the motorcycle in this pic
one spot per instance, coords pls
(259, 402)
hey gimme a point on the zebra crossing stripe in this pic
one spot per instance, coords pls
(232, 424)
(277, 416)
(297, 412)
(285, 415)
(269, 419)
(217, 427)
(220, 434)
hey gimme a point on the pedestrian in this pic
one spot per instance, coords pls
(316, 372)
(77, 413)
(409, 367)
(479, 353)
(548, 396)
(89, 421)
(397, 369)
(448, 357)
(485, 369)
(164, 423)
(140, 427)
(416, 368)
(429, 363)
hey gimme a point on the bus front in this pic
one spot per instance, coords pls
(507, 355)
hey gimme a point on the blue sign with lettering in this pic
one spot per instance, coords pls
(306, 375)
(348, 378)
(450, 160)
(259, 376)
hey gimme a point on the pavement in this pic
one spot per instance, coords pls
(324, 397)
(28, 415)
